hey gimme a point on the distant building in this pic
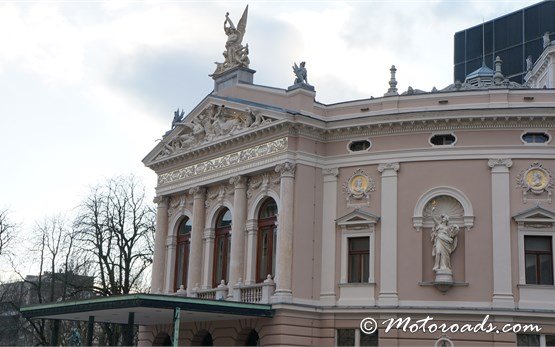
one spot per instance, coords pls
(14, 295)
(513, 37)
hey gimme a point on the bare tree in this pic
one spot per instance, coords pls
(116, 227)
(7, 231)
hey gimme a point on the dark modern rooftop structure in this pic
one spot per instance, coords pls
(512, 37)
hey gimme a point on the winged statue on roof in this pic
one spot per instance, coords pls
(235, 53)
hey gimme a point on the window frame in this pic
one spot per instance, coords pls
(186, 241)
(360, 259)
(219, 233)
(268, 224)
(443, 134)
(371, 144)
(522, 233)
(535, 131)
(537, 255)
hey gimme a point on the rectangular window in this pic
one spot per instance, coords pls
(345, 337)
(538, 260)
(527, 340)
(348, 337)
(358, 262)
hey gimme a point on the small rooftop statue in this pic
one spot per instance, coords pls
(235, 54)
(177, 117)
(301, 80)
(300, 73)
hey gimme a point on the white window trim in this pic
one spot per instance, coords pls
(534, 296)
(357, 140)
(521, 258)
(543, 131)
(345, 236)
(443, 133)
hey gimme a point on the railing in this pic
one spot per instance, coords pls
(252, 293)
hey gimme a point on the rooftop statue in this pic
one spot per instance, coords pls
(177, 117)
(300, 73)
(235, 54)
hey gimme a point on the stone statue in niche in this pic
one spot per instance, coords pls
(444, 243)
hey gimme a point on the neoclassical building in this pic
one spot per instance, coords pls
(412, 204)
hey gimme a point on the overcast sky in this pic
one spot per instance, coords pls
(88, 87)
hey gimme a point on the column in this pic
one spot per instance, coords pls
(388, 245)
(238, 223)
(159, 257)
(197, 232)
(171, 244)
(252, 229)
(209, 235)
(501, 230)
(284, 249)
(329, 215)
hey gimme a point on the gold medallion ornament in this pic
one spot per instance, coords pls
(358, 184)
(536, 183)
(536, 179)
(358, 188)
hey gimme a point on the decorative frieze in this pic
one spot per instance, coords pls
(536, 183)
(225, 161)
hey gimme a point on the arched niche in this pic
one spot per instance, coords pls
(441, 195)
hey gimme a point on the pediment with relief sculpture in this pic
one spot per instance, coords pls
(213, 123)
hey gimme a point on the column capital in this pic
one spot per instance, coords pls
(239, 182)
(332, 172)
(197, 192)
(502, 162)
(161, 201)
(384, 167)
(286, 169)
(209, 234)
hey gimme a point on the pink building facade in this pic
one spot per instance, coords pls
(331, 213)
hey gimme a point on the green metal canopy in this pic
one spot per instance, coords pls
(148, 309)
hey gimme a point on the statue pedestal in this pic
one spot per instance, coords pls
(232, 77)
(302, 86)
(444, 279)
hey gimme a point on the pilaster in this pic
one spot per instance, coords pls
(501, 227)
(388, 254)
(329, 215)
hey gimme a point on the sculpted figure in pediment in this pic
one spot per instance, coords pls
(214, 122)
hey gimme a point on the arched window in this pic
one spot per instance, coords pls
(222, 246)
(267, 233)
(183, 247)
